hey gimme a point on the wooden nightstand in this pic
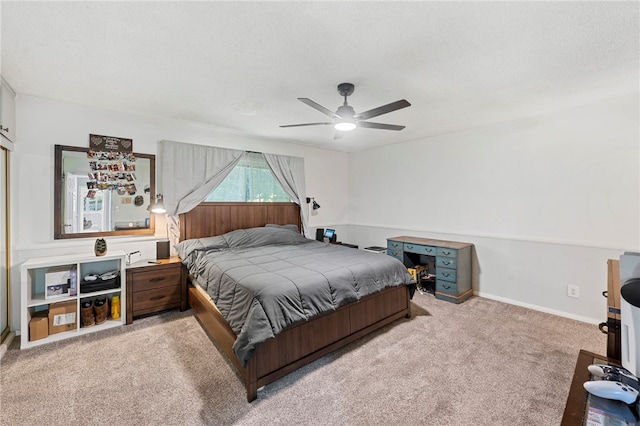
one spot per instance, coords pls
(154, 287)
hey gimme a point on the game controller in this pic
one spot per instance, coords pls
(615, 374)
(604, 371)
(612, 390)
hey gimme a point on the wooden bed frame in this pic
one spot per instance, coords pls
(300, 343)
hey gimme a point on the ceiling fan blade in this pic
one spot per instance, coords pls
(379, 126)
(383, 109)
(319, 107)
(304, 124)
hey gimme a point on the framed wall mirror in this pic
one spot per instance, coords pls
(97, 197)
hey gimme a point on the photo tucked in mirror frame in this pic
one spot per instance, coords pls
(95, 196)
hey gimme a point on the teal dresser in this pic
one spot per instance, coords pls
(449, 261)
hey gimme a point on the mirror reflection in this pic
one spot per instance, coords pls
(102, 194)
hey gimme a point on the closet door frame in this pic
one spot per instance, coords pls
(6, 239)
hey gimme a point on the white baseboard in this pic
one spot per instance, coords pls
(540, 308)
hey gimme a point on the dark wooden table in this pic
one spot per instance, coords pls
(581, 405)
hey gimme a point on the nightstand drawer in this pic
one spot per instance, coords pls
(153, 286)
(413, 248)
(156, 299)
(155, 279)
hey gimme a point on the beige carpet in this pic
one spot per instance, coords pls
(479, 363)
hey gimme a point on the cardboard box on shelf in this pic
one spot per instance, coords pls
(39, 325)
(62, 316)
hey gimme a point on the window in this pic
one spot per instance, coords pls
(250, 180)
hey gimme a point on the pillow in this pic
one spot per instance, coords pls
(257, 237)
(290, 226)
(243, 238)
(186, 247)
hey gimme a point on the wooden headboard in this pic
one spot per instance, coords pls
(210, 219)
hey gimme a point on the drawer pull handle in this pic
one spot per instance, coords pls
(157, 298)
(446, 252)
(447, 263)
(446, 275)
(410, 247)
(447, 286)
(4, 129)
(155, 280)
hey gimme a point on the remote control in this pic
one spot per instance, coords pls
(613, 373)
(612, 390)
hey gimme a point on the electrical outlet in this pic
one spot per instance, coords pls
(573, 291)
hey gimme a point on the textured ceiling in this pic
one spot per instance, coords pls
(241, 65)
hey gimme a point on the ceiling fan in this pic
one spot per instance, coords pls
(346, 119)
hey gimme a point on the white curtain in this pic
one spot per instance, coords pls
(188, 174)
(289, 172)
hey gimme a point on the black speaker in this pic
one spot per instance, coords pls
(162, 250)
(320, 234)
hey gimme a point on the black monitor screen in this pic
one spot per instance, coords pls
(328, 233)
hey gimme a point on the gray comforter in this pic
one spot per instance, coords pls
(265, 279)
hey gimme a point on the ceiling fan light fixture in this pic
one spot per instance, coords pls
(345, 118)
(345, 126)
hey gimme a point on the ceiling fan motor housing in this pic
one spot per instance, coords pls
(346, 112)
(345, 89)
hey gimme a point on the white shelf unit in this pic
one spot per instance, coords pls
(33, 291)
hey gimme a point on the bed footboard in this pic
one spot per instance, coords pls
(302, 343)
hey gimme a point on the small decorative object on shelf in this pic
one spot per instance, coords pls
(100, 247)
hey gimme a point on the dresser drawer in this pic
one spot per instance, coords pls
(159, 278)
(394, 246)
(420, 249)
(446, 262)
(442, 251)
(395, 253)
(447, 287)
(156, 299)
(446, 274)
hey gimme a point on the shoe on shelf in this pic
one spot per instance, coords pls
(86, 313)
(102, 310)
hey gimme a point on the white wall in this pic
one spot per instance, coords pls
(546, 201)
(43, 123)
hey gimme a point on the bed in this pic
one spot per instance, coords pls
(283, 301)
